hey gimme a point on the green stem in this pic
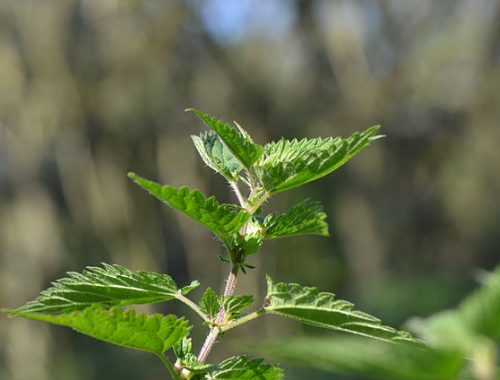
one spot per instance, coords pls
(257, 204)
(170, 367)
(186, 301)
(242, 320)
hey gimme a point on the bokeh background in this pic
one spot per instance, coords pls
(92, 89)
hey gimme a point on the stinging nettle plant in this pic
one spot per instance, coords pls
(95, 301)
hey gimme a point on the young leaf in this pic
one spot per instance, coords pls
(365, 358)
(222, 219)
(109, 285)
(287, 164)
(186, 359)
(243, 246)
(304, 218)
(233, 305)
(151, 333)
(240, 367)
(311, 307)
(183, 348)
(209, 303)
(237, 140)
(217, 156)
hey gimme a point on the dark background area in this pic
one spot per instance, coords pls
(92, 89)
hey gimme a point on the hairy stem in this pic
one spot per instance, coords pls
(170, 367)
(252, 178)
(211, 338)
(215, 330)
(240, 197)
(231, 281)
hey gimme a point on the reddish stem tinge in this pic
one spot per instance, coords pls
(215, 330)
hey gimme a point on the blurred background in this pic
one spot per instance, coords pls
(92, 89)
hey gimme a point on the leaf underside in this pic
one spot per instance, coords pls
(237, 141)
(240, 367)
(304, 218)
(290, 163)
(108, 286)
(222, 219)
(151, 333)
(217, 155)
(234, 304)
(321, 309)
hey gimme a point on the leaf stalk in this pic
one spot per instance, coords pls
(170, 367)
(242, 320)
(186, 301)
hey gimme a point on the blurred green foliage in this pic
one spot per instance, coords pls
(461, 343)
(92, 89)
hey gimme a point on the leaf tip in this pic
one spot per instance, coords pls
(9, 312)
(269, 281)
(373, 130)
(194, 110)
(377, 137)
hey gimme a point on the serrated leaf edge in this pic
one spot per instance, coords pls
(334, 306)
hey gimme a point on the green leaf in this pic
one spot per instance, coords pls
(321, 309)
(151, 333)
(304, 218)
(242, 368)
(287, 164)
(183, 348)
(217, 156)
(365, 357)
(474, 324)
(237, 140)
(234, 304)
(187, 359)
(209, 303)
(109, 285)
(243, 246)
(446, 330)
(471, 329)
(481, 310)
(222, 219)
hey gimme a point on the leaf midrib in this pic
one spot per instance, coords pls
(117, 287)
(272, 309)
